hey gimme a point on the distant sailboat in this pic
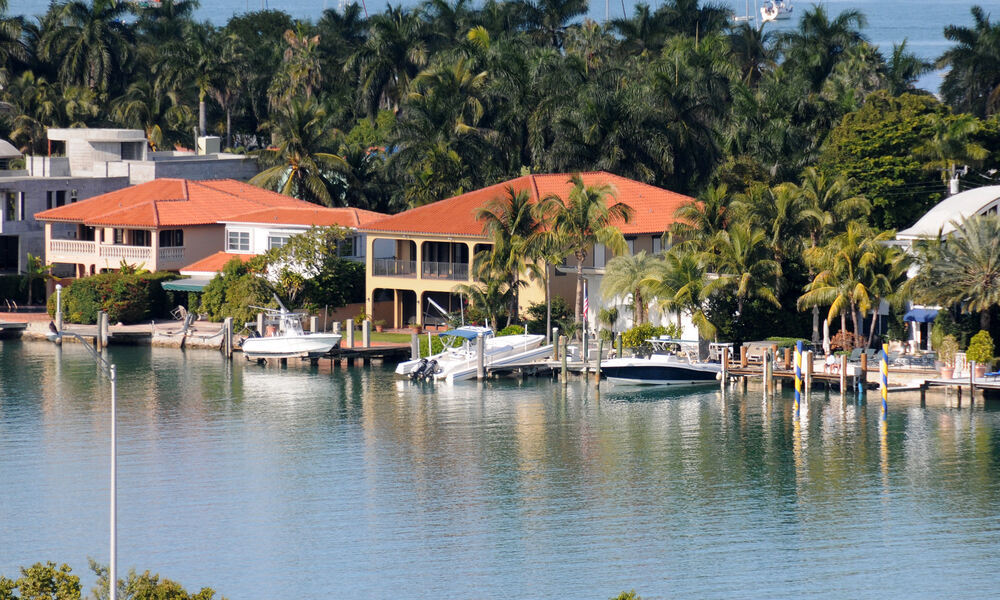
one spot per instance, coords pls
(747, 17)
(776, 10)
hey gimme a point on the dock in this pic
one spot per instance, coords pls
(12, 329)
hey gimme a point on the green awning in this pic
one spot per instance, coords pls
(192, 284)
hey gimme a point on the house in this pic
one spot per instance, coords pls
(166, 224)
(83, 163)
(941, 221)
(416, 258)
(252, 233)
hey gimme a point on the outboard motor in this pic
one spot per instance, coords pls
(418, 372)
(430, 370)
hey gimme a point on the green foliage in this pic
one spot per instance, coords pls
(631, 595)
(127, 298)
(436, 345)
(511, 330)
(962, 328)
(15, 288)
(637, 336)
(146, 586)
(947, 348)
(42, 581)
(980, 348)
(232, 292)
(308, 270)
(562, 315)
(786, 342)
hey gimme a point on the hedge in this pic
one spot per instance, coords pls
(127, 298)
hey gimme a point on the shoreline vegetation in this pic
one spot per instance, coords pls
(806, 149)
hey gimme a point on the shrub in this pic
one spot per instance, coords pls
(980, 348)
(637, 336)
(562, 315)
(787, 342)
(232, 292)
(511, 330)
(126, 297)
(947, 349)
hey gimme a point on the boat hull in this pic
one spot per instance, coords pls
(309, 345)
(644, 372)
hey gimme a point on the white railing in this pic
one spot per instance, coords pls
(172, 253)
(71, 247)
(128, 252)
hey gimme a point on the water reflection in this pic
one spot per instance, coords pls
(246, 478)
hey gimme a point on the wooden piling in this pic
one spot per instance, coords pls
(556, 344)
(480, 357)
(618, 345)
(743, 357)
(349, 333)
(769, 371)
(725, 366)
(788, 359)
(843, 373)
(864, 365)
(313, 324)
(597, 367)
(564, 373)
(260, 323)
(414, 346)
(227, 342)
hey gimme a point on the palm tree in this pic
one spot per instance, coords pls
(393, 53)
(688, 18)
(780, 211)
(584, 219)
(143, 106)
(547, 20)
(817, 45)
(739, 256)
(492, 297)
(509, 222)
(164, 21)
(753, 51)
(643, 33)
(951, 144)
(965, 269)
(903, 69)
(887, 270)
(624, 275)
(92, 44)
(972, 83)
(678, 284)
(302, 164)
(12, 47)
(698, 222)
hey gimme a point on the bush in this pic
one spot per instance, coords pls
(947, 349)
(787, 342)
(511, 330)
(232, 292)
(981, 348)
(126, 297)
(637, 336)
(562, 315)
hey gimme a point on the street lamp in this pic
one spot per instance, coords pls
(111, 371)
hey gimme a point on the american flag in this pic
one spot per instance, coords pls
(586, 303)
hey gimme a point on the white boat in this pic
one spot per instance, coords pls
(671, 363)
(459, 360)
(776, 10)
(283, 337)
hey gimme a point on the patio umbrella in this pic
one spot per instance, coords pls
(826, 336)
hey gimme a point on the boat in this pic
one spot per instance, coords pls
(284, 337)
(776, 10)
(459, 360)
(672, 363)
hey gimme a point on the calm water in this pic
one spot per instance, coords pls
(302, 483)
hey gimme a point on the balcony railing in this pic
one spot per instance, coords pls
(390, 267)
(125, 252)
(445, 270)
(71, 247)
(95, 250)
(172, 254)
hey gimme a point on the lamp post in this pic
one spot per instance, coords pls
(58, 307)
(111, 371)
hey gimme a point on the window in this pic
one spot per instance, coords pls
(119, 236)
(275, 241)
(171, 238)
(72, 196)
(48, 199)
(631, 245)
(141, 237)
(60, 197)
(10, 206)
(239, 241)
(86, 233)
(132, 150)
(657, 244)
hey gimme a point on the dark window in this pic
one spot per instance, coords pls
(141, 237)
(171, 238)
(10, 206)
(86, 233)
(60, 197)
(119, 236)
(72, 196)
(132, 150)
(48, 200)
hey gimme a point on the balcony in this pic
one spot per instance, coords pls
(444, 270)
(390, 267)
(75, 251)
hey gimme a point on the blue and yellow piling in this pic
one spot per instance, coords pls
(884, 381)
(798, 377)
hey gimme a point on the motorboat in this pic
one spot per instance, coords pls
(776, 10)
(672, 362)
(284, 337)
(459, 360)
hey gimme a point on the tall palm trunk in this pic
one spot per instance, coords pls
(843, 327)
(202, 121)
(871, 330)
(854, 321)
(548, 304)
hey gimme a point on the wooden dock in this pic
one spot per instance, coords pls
(12, 329)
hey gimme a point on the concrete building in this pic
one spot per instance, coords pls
(88, 162)
(164, 224)
(422, 254)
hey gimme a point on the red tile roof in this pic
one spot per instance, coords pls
(653, 207)
(315, 215)
(172, 203)
(215, 262)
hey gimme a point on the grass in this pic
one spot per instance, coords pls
(390, 338)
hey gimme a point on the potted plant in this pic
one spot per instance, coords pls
(946, 352)
(981, 351)
(379, 325)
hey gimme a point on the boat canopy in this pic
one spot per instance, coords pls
(921, 315)
(186, 285)
(462, 333)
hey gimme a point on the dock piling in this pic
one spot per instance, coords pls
(788, 359)
(556, 340)
(366, 334)
(807, 372)
(480, 357)
(349, 332)
(725, 366)
(336, 327)
(743, 357)
(972, 382)
(414, 346)
(260, 323)
(597, 366)
(313, 324)
(99, 339)
(227, 339)
(843, 374)
(564, 373)
(618, 345)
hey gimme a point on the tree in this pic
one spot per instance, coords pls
(903, 69)
(92, 44)
(393, 53)
(308, 269)
(510, 223)
(585, 218)
(34, 270)
(815, 47)
(677, 282)
(303, 164)
(12, 47)
(547, 20)
(972, 82)
(700, 221)
(625, 275)
(950, 143)
(739, 256)
(964, 269)
(887, 270)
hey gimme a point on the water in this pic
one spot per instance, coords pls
(270, 483)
